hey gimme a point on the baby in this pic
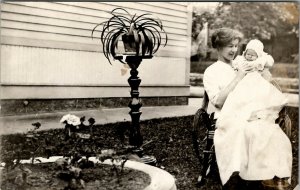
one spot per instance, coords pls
(254, 54)
(256, 96)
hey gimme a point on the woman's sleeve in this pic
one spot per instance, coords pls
(211, 85)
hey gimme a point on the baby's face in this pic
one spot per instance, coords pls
(250, 55)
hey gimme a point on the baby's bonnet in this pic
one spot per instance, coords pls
(257, 46)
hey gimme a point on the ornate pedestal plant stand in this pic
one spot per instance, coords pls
(135, 137)
(141, 39)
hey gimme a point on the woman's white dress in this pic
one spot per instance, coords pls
(247, 139)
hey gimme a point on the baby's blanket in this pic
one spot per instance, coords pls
(252, 98)
(247, 136)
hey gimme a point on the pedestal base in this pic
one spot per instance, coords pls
(146, 159)
(150, 160)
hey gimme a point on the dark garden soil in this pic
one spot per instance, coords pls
(46, 176)
(173, 148)
(169, 140)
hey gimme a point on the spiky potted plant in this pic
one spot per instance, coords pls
(141, 34)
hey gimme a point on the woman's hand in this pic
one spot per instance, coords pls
(247, 66)
(244, 68)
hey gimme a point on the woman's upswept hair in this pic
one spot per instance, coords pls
(223, 36)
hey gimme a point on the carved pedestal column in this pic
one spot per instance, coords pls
(135, 138)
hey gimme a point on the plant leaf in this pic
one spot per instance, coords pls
(114, 42)
(151, 47)
(131, 29)
(153, 26)
(122, 10)
(146, 32)
(147, 21)
(105, 41)
(121, 19)
(137, 41)
(154, 37)
(104, 33)
(133, 18)
(118, 17)
(144, 47)
(97, 27)
(141, 16)
(146, 41)
(107, 46)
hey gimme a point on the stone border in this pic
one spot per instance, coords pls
(160, 179)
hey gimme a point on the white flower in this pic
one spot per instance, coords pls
(70, 119)
(64, 118)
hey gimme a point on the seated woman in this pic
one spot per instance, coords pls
(247, 140)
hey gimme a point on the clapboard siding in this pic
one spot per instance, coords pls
(74, 21)
(174, 40)
(49, 44)
(63, 15)
(96, 9)
(35, 15)
(26, 18)
(166, 5)
(135, 7)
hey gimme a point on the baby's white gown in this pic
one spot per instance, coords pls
(247, 139)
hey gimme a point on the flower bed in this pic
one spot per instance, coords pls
(44, 176)
(76, 143)
(170, 142)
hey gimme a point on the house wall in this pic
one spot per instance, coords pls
(47, 53)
